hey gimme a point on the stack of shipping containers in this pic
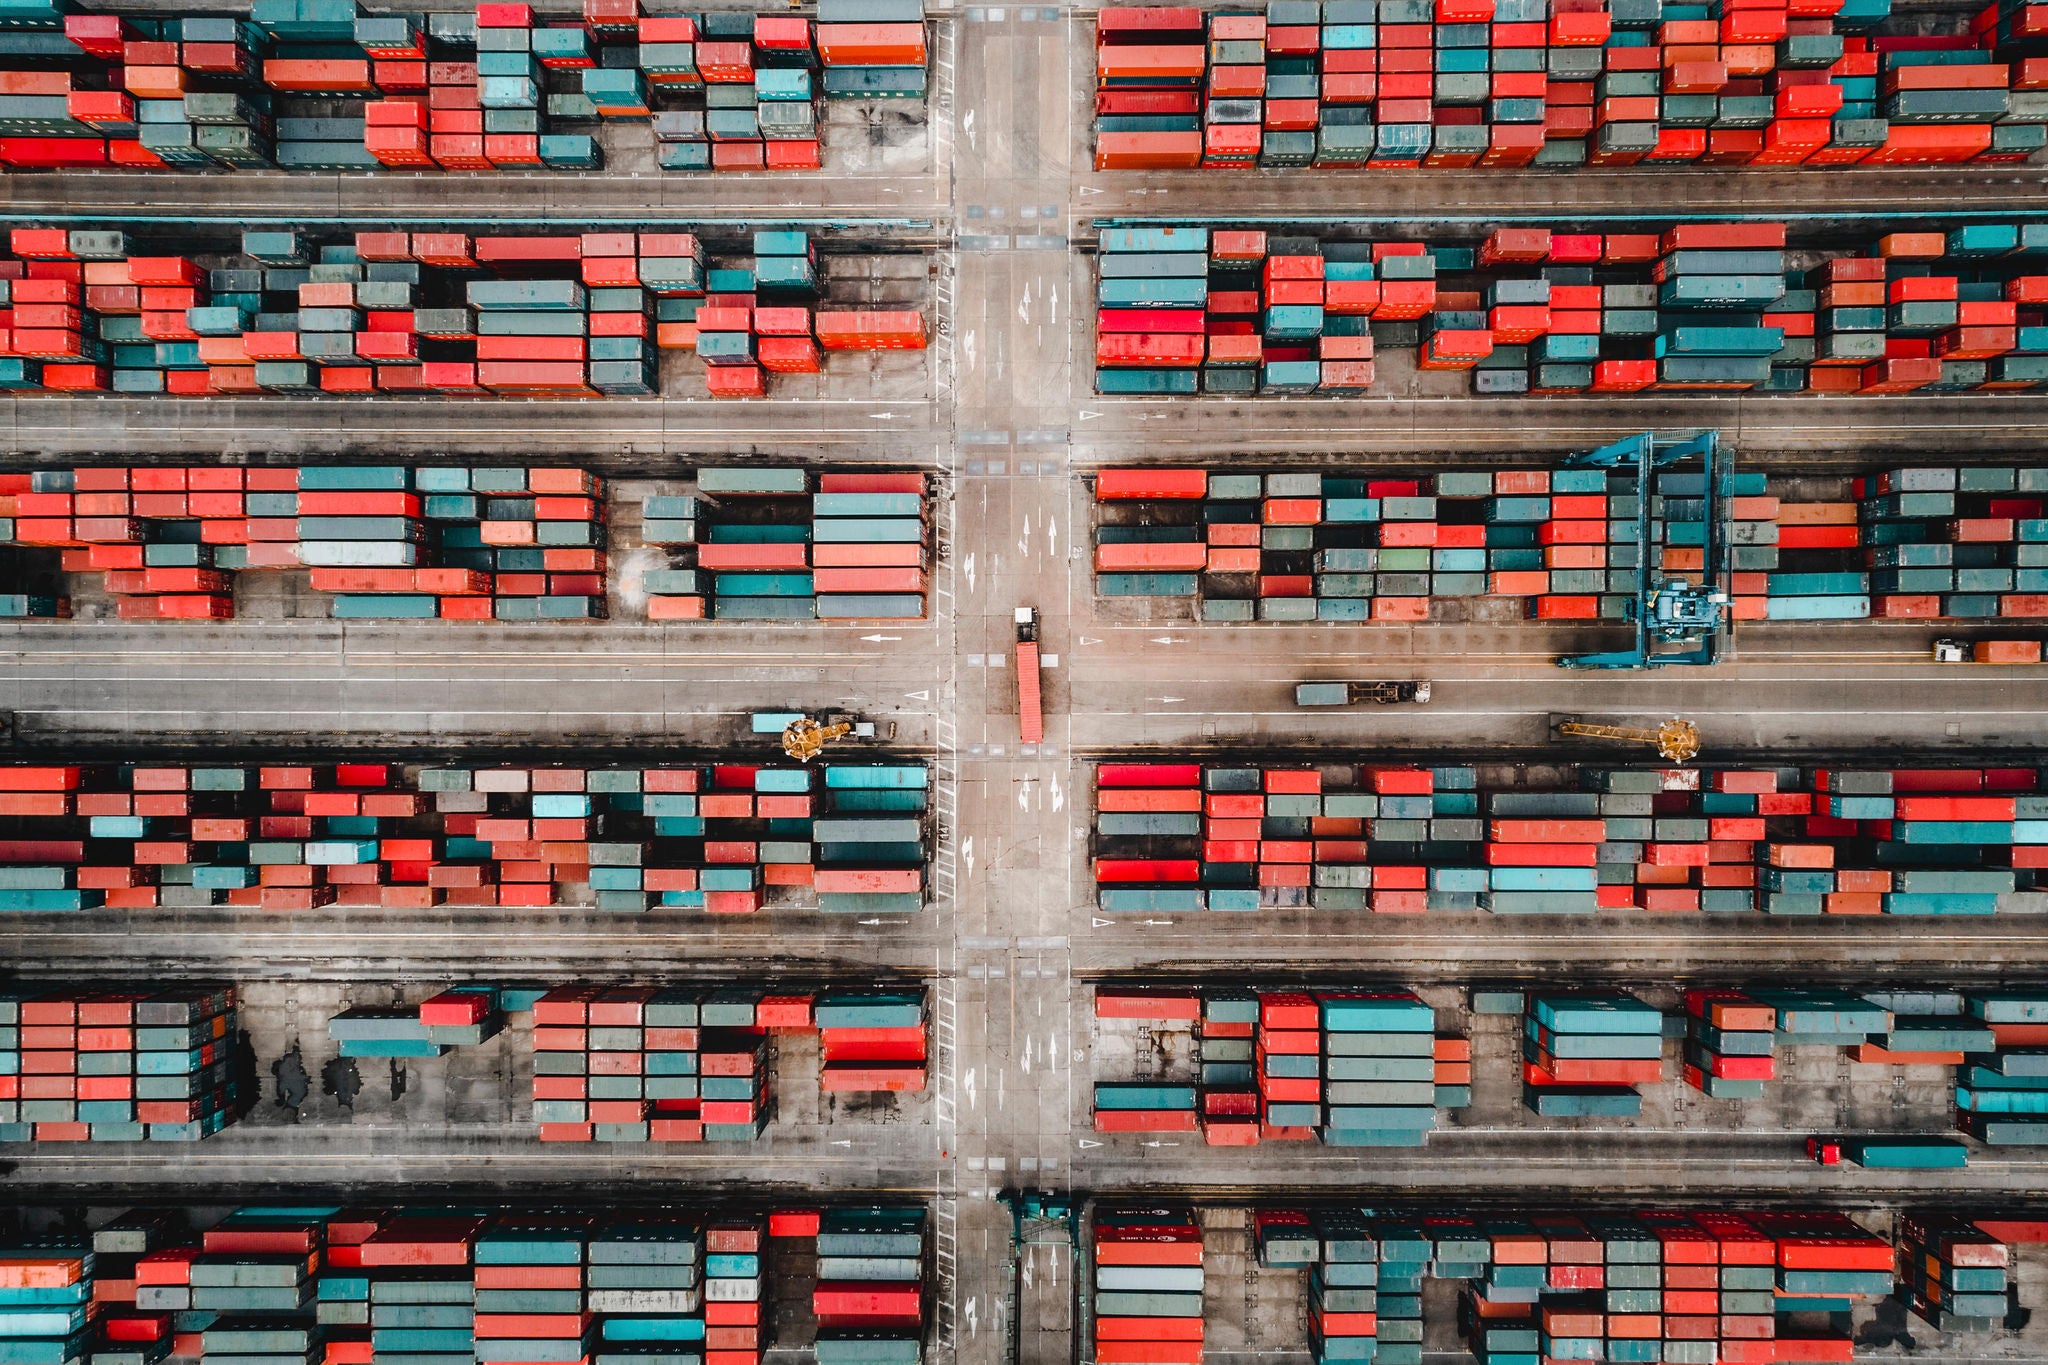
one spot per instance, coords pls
(1584, 1054)
(80, 1065)
(504, 543)
(561, 315)
(678, 1064)
(1513, 83)
(320, 85)
(869, 1297)
(1702, 307)
(1921, 542)
(1227, 1062)
(1347, 1068)
(410, 837)
(1730, 1044)
(782, 544)
(1690, 1285)
(1398, 839)
(504, 1286)
(1148, 1286)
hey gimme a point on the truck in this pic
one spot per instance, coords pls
(1030, 708)
(1384, 693)
(1896, 1152)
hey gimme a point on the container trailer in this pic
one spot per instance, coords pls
(1030, 711)
(1384, 693)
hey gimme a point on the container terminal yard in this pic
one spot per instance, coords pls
(1329, 680)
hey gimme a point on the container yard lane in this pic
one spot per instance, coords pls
(1012, 846)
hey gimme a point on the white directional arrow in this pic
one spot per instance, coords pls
(1168, 701)
(918, 696)
(843, 1142)
(1086, 1143)
(1088, 414)
(1162, 1144)
(1088, 189)
(905, 921)
(1090, 640)
(1155, 921)
(878, 639)
(882, 416)
(1168, 640)
(1095, 923)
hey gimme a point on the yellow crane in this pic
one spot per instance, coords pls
(1675, 740)
(803, 739)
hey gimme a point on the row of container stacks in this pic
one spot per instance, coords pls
(756, 544)
(1709, 307)
(332, 1285)
(82, 1064)
(679, 1065)
(617, 1063)
(1402, 839)
(503, 543)
(568, 315)
(1353, 1066)
(1923, 543)
(1316, 546)
(486, 543)
(724, 838)
(1691, 1287)
(1675, 1286)
(1348, 1068)
(1566, 83)
(1584, 1053)
(1148, 1286)
(318, 85)
(1989, 1038)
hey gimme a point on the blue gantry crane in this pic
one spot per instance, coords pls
(1676, 621)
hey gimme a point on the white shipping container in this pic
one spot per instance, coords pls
(359, 554)
(746, 1289)
(644, 1301)
(1150, 1278)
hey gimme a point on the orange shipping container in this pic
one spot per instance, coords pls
(846, 330)
(851, 556)
(2007, 651)
(1147, 151)
(870, 580)
(876, 44)
(1158, 556)
(1150, 483)
(319, 77)
(744, 556)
